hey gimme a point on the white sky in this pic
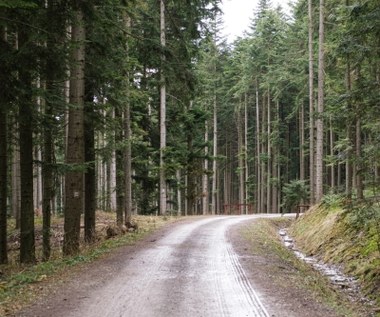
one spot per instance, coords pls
(238, 14)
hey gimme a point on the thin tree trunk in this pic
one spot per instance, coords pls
(3, 168)
(214, 163)
(162, 112)
(321, 81)
(302, 143)
(349, 129)
(179, 193)
(205, 194)
(240, 153)
(113, 181)
(302, 148)
(258, 163)
(246, 171)
(332, 168)
(275, 165)
(47, 167)
(27, 243)
(120, 177)
(16, 173)
(90, 173)
(74, 183)
(311, 104)
(262, 164)
(128, 163)
(128, 130)
(269, 153)
(358, 148)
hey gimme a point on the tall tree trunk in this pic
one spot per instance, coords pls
(269, 153)
(120, 175)
(349, 129)
(3, 167)
(27, 242)
(128, 163)
(90, 174)
(246, 170)
(358, 172)
(179, 193)
(263, 150)
(15, 177)
(258, 163)
(214, 162)
(113, 180)
(205, 194)
(162, 111)
(275, 165)
(311, 104)
(3, 183)
(302, 148)
(74, 183)
(332, 168)
(240, 154)
(321, 82)
(47, 168)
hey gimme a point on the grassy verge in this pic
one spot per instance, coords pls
(289, 271)
(329, 232)
(19, 285)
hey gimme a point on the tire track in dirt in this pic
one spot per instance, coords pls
(191, 272)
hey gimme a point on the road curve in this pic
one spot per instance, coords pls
(193, 271)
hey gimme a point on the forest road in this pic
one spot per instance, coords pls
(191, 271)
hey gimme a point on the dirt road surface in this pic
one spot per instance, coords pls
(188, 269)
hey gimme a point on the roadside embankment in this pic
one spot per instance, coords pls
(347, 237)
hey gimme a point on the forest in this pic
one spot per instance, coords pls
(142, 107)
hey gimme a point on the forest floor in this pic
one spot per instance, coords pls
(167, 271)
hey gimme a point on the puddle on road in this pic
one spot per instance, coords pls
(341, 281)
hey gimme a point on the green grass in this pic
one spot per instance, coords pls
(332, 234)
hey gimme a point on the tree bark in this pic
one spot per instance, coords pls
(90, 175)
(128, 163)
(74, 183)
(162, 112)
(3, 168)
(349, 133)
(120, 175)
(358, 172)
(214, 162)
(311, 104)
(246, 170)
(3, 162)
(205, 194)
(258, 163)
(27, 242)
(240, 154)
(321, 81)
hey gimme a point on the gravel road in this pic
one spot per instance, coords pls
(191, 271)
